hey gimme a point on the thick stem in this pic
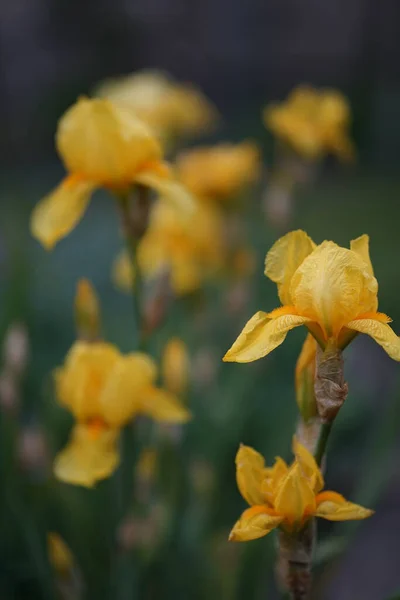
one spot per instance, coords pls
(295, 561)
(330, 392)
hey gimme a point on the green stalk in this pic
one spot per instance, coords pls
(132, 242)
(125, 576)
(322, 442)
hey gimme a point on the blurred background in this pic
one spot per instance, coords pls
(243, 55)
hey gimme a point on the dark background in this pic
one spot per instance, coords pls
(242, 54)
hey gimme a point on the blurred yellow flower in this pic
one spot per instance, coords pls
(285, 496)
(60, 556)
(175, 366)
(191, 248)
(104, 390)
(304, 379)
(313, 122)
(101, 145)
(87, 311)
(219, 172)
(170, 108)
(330, 289)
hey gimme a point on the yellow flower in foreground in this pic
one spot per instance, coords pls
(219, 171)
(329, 289)
(313, 122)
(104, 390)
(172, 109)
(191, 248)
(285, 496)
(175, 366)
(102, 145)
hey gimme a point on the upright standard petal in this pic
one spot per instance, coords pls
(334, 507)
(120, 398)
(381, 333)
(87, 458)
(308, 466)
(295, 498)
(254, 523)
(250, 471)
(105, 142)
(285, 256)
(160, 405)
(361, 247)
(262, 334)
(59, 212)
(333, 286)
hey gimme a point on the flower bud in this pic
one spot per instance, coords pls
(175, 366)
(16, 348)
(60, 556)
(304, 378)
(87, 311)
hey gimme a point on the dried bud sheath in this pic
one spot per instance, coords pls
(295, 560)
(330, 386)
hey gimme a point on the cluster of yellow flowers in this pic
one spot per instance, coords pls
(333, 292)
(116, 141)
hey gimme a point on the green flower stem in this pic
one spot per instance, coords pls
(132, 242)
(322, 442)
(134, 214)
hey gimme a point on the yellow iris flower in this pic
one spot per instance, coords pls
(170, 108)
(102, 145)
(104, 390)
(329, 289)
(179, 244)
(313, 122)
(219, 172)
(285, 496)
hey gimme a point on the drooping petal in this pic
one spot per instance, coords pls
(308, 466)
(162, 182)
(58, 213)
(333, 286)
(87, 458)
(295, 498)
(285, 256)
(250, 468)
(254, 523)
(262, 334)
(161, 405)
(334, 507)
(82, 377)
(382, 333)
(120, 397)
(361, 247)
